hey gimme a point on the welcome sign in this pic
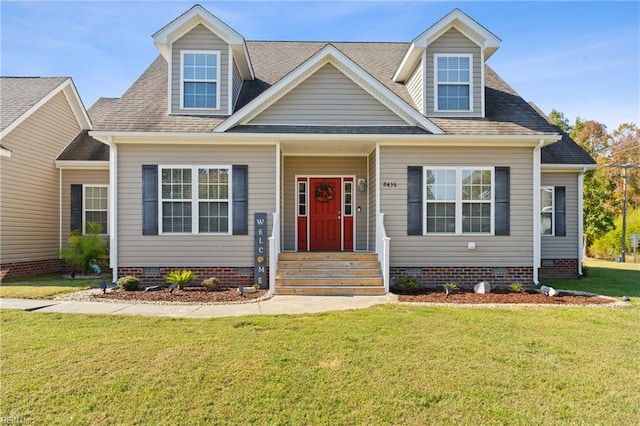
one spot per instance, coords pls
(260, 250)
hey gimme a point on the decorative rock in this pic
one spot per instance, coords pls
(483, 287)
(548, 291)
(625, 298)
(248, 290)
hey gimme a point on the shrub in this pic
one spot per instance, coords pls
(180, 278)
(211, 284)
(516, 288)
(405, 285)
(129, 283)
(84, 247)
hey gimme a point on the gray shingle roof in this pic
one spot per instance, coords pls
(332, 130)
(143, 108)
(18, 94)
(85, 148)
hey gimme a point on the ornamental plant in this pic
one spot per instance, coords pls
(516, 288)
(211, 284)
(405, 285)
(180, 278)
(82, 248)
(129, 283)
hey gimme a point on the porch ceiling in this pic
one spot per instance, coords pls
(327, 147)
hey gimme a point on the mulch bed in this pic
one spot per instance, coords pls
(188, 295)
(501, 297)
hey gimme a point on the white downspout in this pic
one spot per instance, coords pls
(536, 210)
(113, 207)
(60, 211)
(580, 218)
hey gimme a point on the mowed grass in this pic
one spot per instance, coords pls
(390, 364)
(46, 287)
(604, 277)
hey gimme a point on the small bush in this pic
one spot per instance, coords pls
(405, 285)
(81, 248)
(211, 284)
(516, 288)
(129, 283)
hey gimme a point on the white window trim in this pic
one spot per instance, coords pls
(195, 223)
(458, 201)
(553, 211)
(217, 81)
(84, 207)
(436, 83)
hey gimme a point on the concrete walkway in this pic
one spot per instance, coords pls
(273, 306)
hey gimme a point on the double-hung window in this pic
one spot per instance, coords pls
(453, 86)
(546, 211)
(200, 78)
(458, 200)
(95, 208)
(195, 199)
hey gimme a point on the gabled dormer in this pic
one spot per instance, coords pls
(443, 68)
(208, 62)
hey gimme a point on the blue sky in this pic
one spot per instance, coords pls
(581, 58)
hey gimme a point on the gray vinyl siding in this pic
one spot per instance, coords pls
(437, 250)
(29, 187)
(79, 177)
(328, 97)
(454, 42)
(415, 87)
(323, 166)
(566, 247)
(200, 38)
(237, 84)
(135, 249)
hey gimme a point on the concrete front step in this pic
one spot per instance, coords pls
(329, 273)
(330, 291)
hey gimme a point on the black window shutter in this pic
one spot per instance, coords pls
(560, 211)
(503, 201)
(76, 207)
(414, 200)
(149, 199)
(240, 199)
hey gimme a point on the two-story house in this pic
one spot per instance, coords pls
(405, 158)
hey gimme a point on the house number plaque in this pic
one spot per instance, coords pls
(260, 250)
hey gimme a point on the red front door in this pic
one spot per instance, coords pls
(325, 215)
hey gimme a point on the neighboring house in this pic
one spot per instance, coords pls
(39, 118)
(415, 158)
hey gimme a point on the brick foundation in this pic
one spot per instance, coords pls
(466, 277)
(558, 268)
(228, 276)
(11, 271)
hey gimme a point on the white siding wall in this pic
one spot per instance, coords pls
(328, 97)
(29, 186)
(71, 177)
(415, 87)
(136, 249)
(323, 166)
(497, 251)
(563, 247)
(453, 42)
(200, 38)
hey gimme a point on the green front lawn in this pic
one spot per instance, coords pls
(47, 287)
(390, 364)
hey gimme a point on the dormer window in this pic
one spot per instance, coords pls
(453, 85)
(200, 77)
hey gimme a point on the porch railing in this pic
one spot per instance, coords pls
(382, 248)
(274, 251)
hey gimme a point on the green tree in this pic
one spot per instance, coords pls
(560, 120)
